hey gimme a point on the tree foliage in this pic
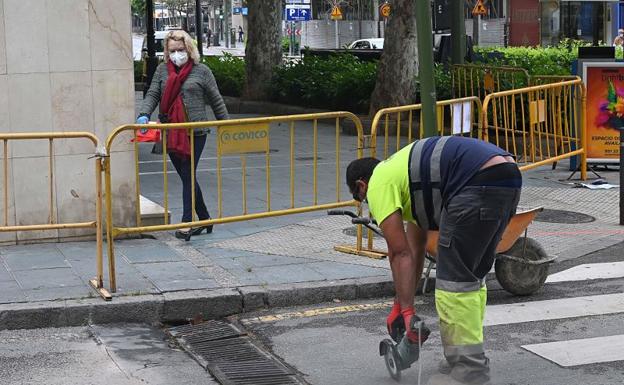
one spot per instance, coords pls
(138, 7)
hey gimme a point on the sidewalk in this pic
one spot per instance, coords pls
(288, 262)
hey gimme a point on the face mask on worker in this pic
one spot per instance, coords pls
(179, 58)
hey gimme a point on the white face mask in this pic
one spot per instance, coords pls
(179, 58)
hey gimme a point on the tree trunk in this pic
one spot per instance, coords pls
(263, 51)
(398, 67)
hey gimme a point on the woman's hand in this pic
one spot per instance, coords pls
(142, 120)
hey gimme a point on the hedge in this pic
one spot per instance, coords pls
(343, 82)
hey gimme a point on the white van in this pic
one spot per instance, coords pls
(159, 37)
(375, 43)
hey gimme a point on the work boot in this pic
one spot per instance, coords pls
(444, 367)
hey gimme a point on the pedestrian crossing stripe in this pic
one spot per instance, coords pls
(589, 271)
(554, 309)
(581, 351)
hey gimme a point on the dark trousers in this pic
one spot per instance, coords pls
(471, 226)
(183, 167)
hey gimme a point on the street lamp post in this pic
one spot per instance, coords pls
(152, 60)
(198, 27)
(425, 68)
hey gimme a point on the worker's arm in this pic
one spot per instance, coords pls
(406, 256)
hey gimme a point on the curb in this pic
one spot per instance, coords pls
(184, 305)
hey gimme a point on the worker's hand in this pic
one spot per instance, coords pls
(395, 323)
(417, 332)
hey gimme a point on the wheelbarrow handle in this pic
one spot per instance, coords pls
(342, 212)
(363, 221)
(356, 220)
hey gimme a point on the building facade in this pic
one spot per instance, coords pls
(547, 22)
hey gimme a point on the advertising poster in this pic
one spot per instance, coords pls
(605, 110)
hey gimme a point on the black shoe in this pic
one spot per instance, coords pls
(198, 230)
(184, 234)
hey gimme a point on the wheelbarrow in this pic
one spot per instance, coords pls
(521, 264)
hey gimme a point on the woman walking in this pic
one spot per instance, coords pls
(183, 86)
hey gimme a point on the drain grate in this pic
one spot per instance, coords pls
(231, 356)
(563, 216)
(233, 349)
(267, 370)
(206, 331)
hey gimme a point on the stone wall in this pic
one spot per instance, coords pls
(322, 33)
(492, 32)
(65, 65)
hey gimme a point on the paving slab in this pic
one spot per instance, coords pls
(34, 257)
(80, 251)
(173, 276)
(287, 274)
(4, 274)
(334, 270)
(10, 292)
(47, 278)
(59, 293)
(265, 260)
(149, 253)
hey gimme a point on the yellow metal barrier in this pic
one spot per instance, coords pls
(243, 138)
(96, 224)
(455, 117)
(538, 80)
(540, 125)
(479, 80)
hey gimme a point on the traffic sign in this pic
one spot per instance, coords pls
(298, 12)
(384, 10)
(298, 1)
(336, 13)
(479, 9)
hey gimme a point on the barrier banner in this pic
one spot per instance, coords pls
(241, 139)
(605, 110)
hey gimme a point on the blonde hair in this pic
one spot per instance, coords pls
(189, 44)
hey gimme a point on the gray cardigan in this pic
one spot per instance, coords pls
(199, 89)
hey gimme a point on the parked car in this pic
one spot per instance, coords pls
(375, 43)
(159, 37)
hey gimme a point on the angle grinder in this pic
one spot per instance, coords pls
(399, 352)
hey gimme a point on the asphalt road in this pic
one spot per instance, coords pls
(96, 355)
(342, 348)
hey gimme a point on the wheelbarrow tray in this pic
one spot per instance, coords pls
(516, 227)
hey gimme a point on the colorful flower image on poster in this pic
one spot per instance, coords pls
(605, 110)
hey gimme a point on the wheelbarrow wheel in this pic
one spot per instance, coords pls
(519, 278)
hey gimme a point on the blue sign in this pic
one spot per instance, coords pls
(298, 12)
(245, 11)
(237, 10)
